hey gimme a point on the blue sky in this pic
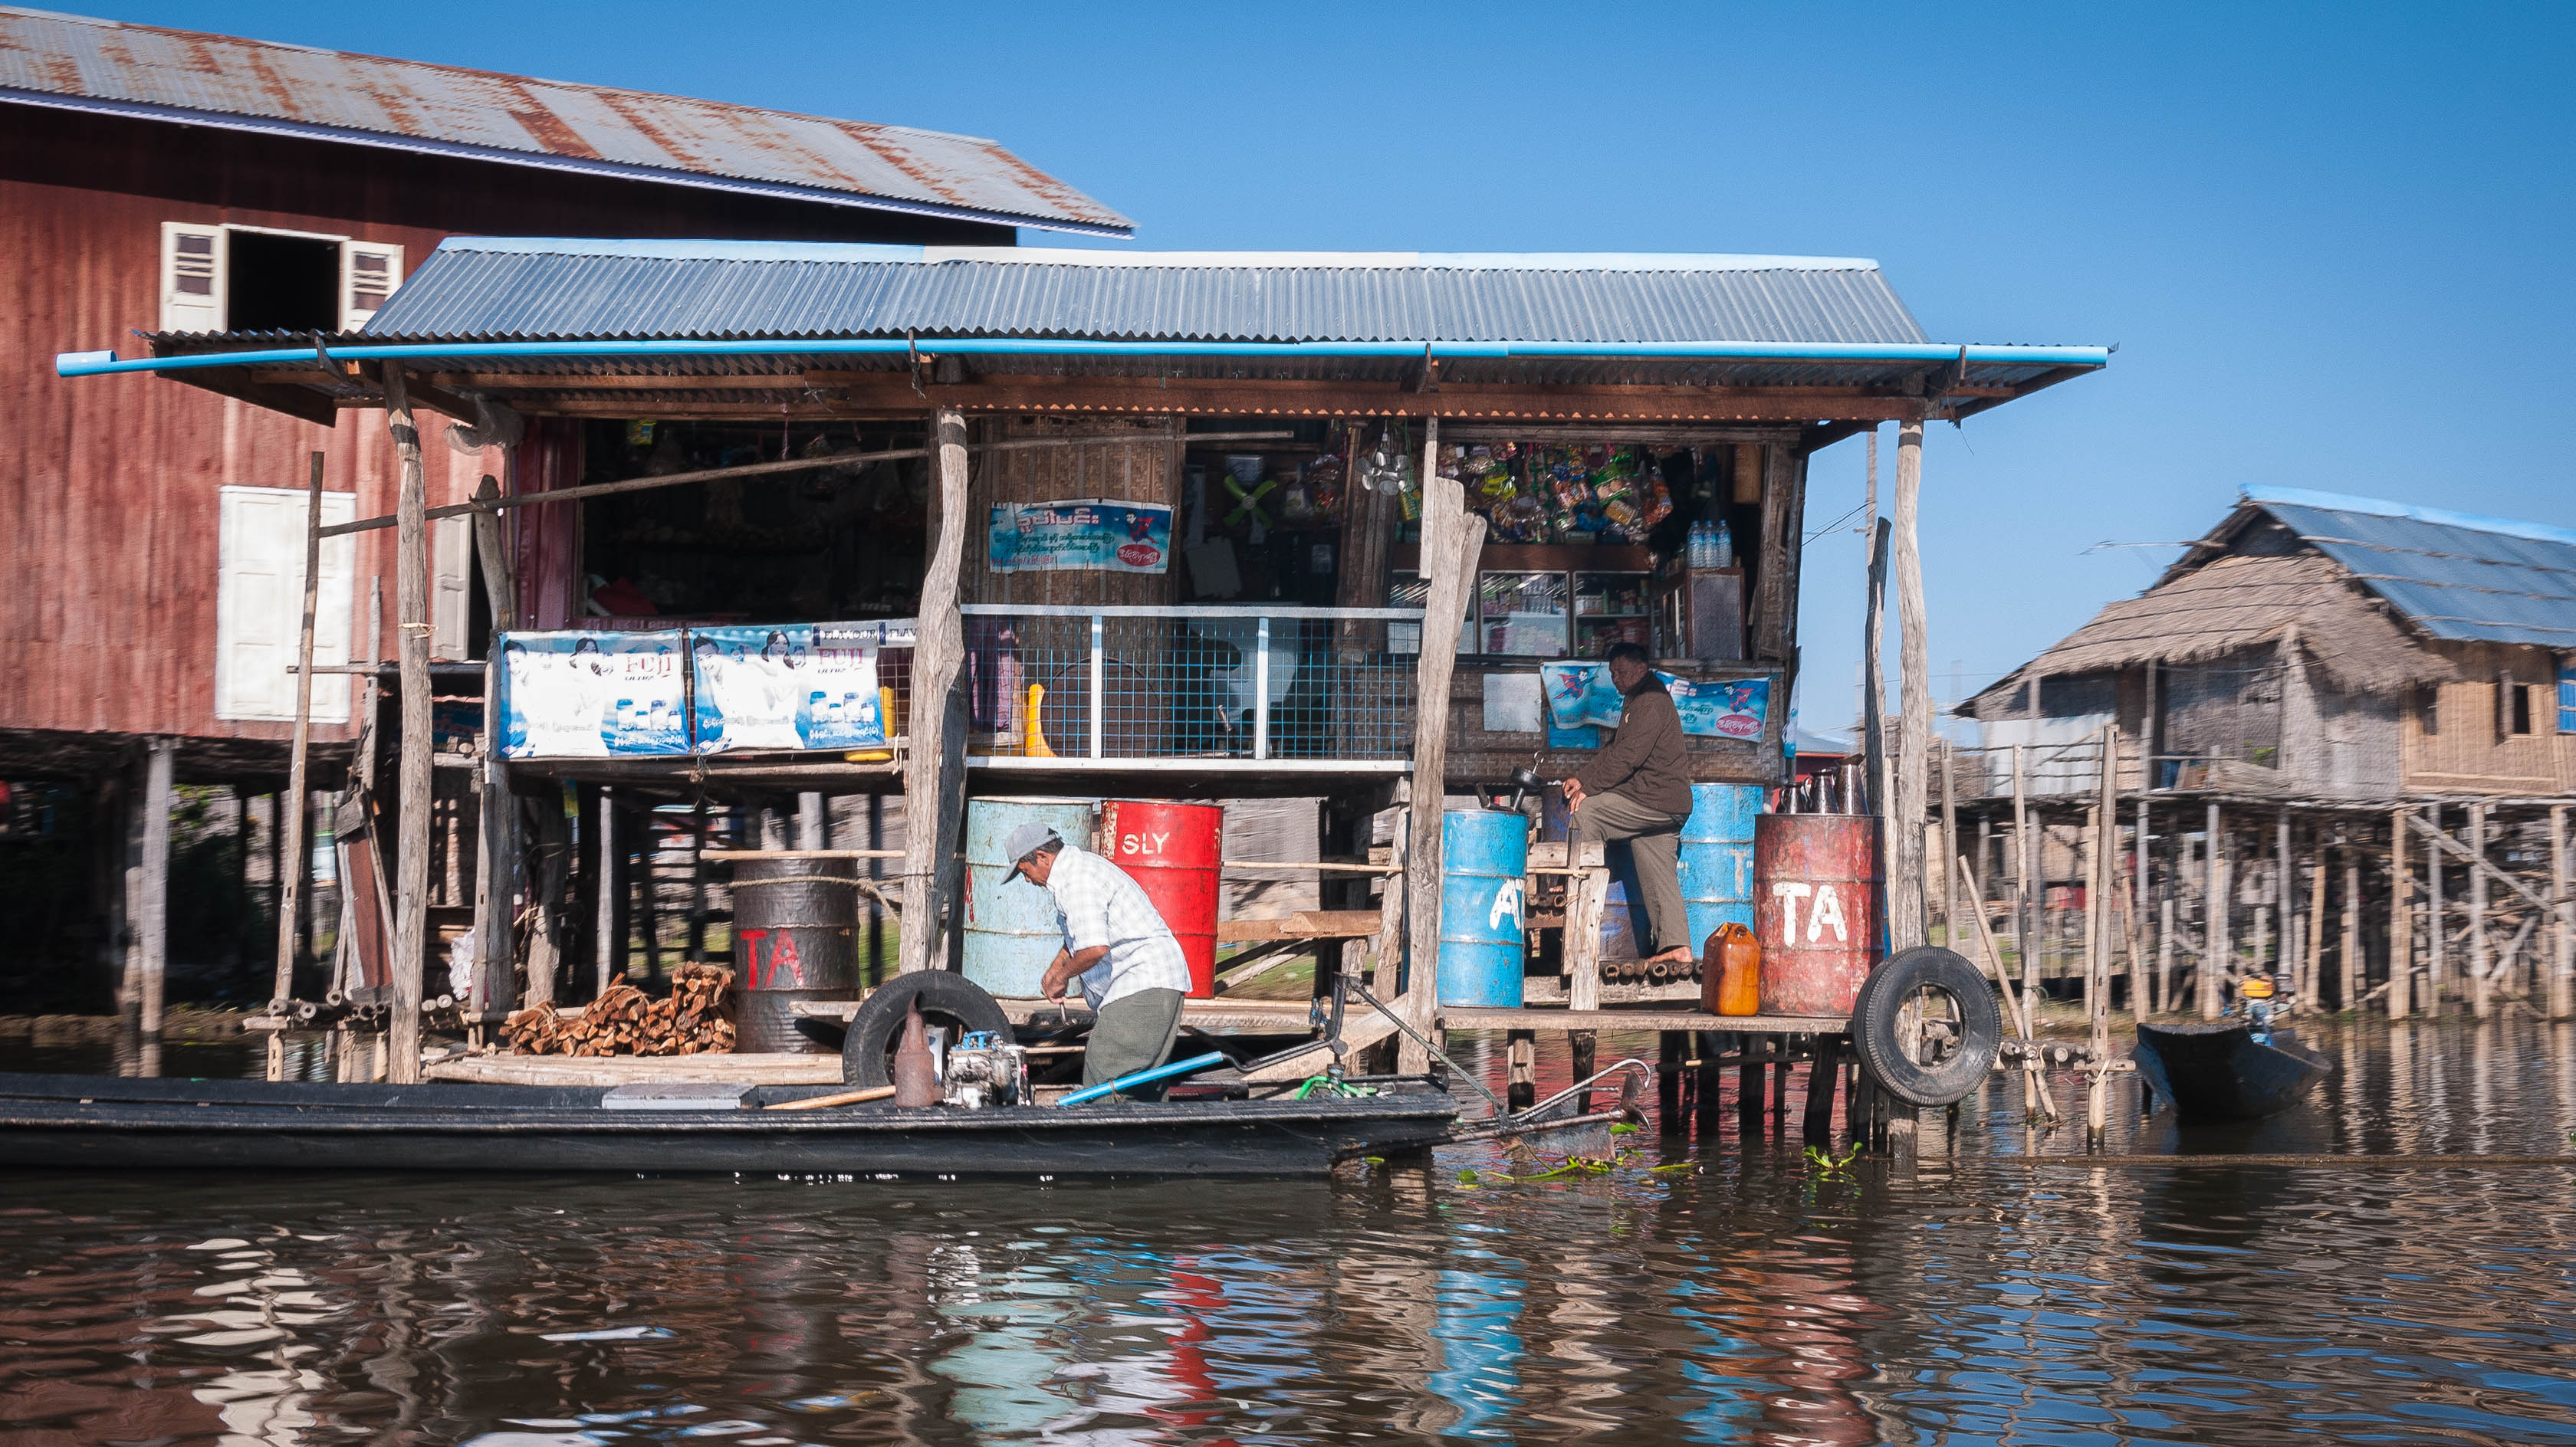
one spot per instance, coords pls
(2329, 241)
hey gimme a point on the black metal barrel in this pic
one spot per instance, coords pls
(795, 937)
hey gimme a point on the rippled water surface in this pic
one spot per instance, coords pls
(1744, 1297)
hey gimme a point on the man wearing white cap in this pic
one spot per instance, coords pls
(1117, 950)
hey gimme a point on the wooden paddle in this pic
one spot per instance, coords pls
(846, 1097)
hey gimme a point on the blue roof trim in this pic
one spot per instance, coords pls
(2439, 517)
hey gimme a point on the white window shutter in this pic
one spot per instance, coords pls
(192, 277)
(259, 605)
(451, 574)
(369, 272)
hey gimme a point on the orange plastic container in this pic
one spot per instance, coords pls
(1730, 972)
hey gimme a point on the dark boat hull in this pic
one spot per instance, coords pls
(2220, 1072)
(83, 1123)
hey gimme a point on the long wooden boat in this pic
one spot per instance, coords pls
(2220, 1071)
(84, 1121)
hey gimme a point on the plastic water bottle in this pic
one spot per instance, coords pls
(1699, 545)
(1721, 548)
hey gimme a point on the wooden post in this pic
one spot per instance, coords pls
(1817, 1126)
(2215, 946)
(2285, 885)
(608, 937)
(411, 863)
(1587, 893)
(2481, 953)
(1873, 687)
(2401, 919)
(2106, 870)
(1905, 928)
(2349, 956)
(2436, 974)
(2025, 891)
(2562, 969)
(813, 822)
(934, 771)
(2164, 999)
(1454, 540)
(546, 895)
(1520, 1088)
(152, 900)
(2138, 979)
(2088, 849)
(2313, 956)
(1584, 1047)
(1949, 846)
(1669, 1048)
(1387, 961)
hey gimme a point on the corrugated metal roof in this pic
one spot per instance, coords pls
(573, 288)
(2454, 575)
(80, 63)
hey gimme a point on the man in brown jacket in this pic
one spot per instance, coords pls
(1638, 789)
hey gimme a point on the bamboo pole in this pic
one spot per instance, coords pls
(411, 606)
(1949, 845)
(286, 825)
(2106, 815)
(1905, 928)
(2401, 921)
(608, 941)
(2562, 972)
(935, 767)
(2481, 952)
(1873, 688)
(2314, 985)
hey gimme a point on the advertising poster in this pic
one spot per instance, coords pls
(1581, 696)
(592, 695)
(1084, 533)
(789, 685)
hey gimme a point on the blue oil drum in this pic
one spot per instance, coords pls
(1717, 857)
(1011, 930)
(1484, 859)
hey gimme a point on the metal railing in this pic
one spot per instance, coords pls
(1275, 687)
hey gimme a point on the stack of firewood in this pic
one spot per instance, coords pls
(626, 1021)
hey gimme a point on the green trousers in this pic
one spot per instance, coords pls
(1132, 1033)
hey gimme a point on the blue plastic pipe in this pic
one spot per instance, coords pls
(1144, 1077)
(96, 364)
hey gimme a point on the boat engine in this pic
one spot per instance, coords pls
(986, 1070)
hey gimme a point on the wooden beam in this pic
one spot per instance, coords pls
(935, 769)
(411, 863)
(1452, 540)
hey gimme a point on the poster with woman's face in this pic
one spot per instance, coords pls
(591, 695)
(786, 686)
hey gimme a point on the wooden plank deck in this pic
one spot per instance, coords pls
(637, 1069)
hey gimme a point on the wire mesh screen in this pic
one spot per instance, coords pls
(1182, 683)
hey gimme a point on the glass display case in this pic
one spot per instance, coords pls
(1522, 614)
(1611, 608)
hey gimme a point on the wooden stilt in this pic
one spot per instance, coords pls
(1585, 1048)
(498, 866)
(1708, 1044)
(2436, 973)
(1908, 809)
(2481, 964)
(152, 896)
(2027, 890)
(1818, 1125)
(546, 883)
(1520, 1090)
(1750, 1079)
(608, 938)
(286, 825)
(2348, 957)
(2312, 986)
(2401, 919)
(935, 768)
(2164, 953)
(2562, 968)
(2211, 977)
(1668, 1080)
(1949, 901)
(412, 815)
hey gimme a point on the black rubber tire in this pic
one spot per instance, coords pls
(945, 998)
(1874, 1026)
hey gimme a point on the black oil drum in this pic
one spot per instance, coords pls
(795, 937)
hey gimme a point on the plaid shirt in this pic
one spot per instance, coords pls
(1098, 904)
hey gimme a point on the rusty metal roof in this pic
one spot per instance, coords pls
(72, 62)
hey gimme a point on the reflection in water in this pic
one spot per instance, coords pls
(1741, 1300)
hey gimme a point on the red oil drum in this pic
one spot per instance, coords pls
(1817, 903)
(1172, 851)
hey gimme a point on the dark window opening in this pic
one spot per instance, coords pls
(834, 544)
(2518, 701)
(2428, 709)
(281, 283)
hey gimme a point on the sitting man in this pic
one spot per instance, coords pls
(1638, 789)
(1116, 948)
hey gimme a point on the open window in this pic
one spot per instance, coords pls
(251, 279)
(2514, 711)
